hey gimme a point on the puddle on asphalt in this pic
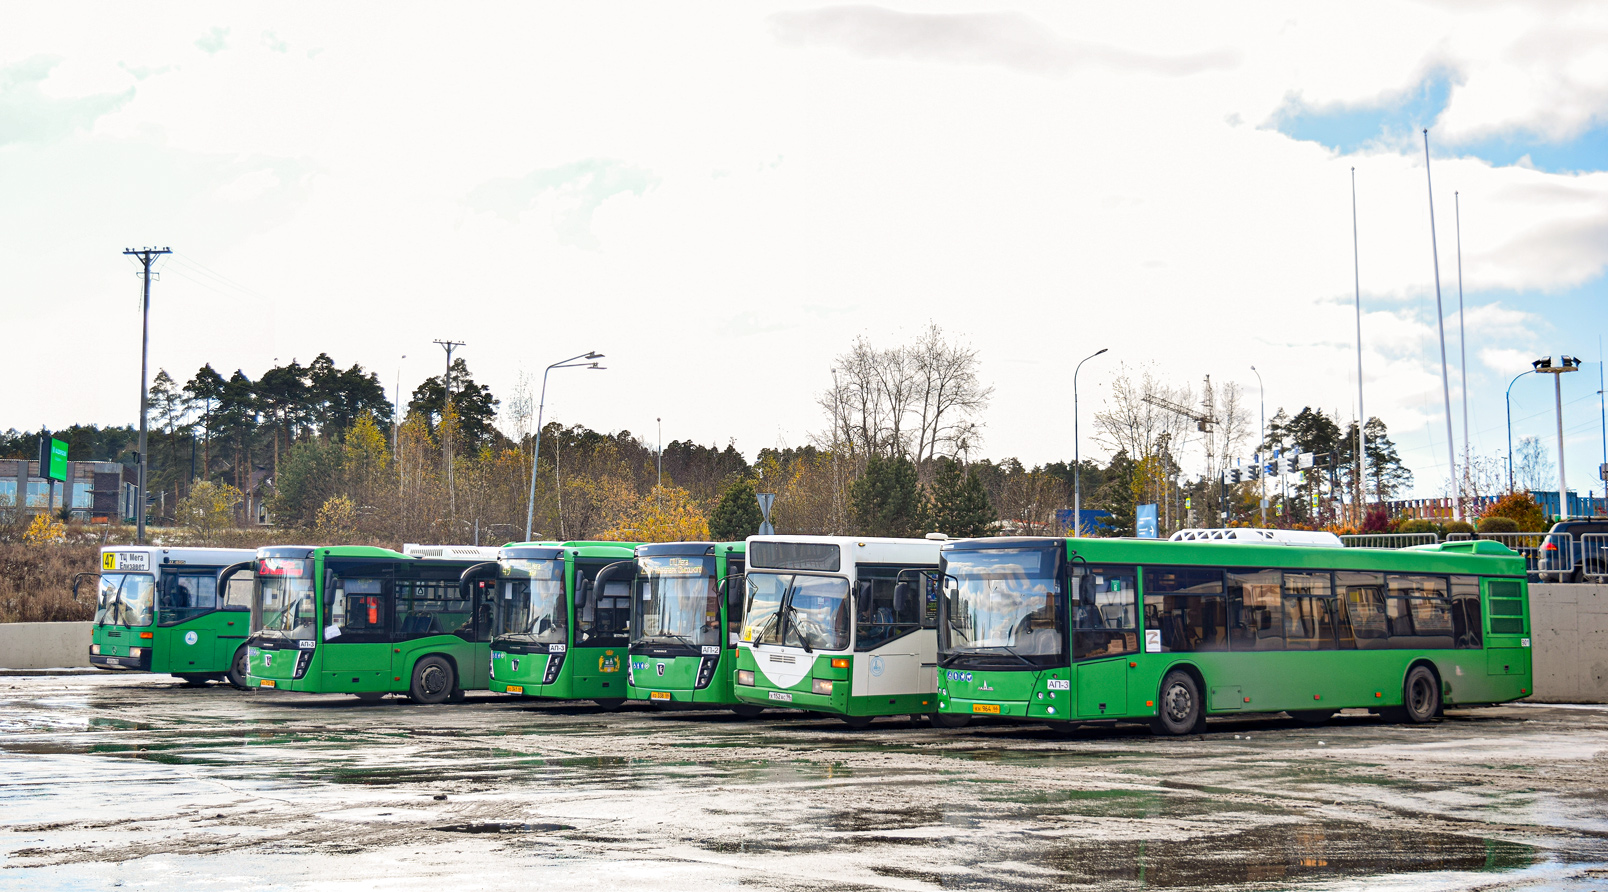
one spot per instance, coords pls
(501, 827)
(1286, 852)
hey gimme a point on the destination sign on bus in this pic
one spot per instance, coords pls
(281, 567)
(126, 560)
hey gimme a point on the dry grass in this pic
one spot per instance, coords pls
(36, 581)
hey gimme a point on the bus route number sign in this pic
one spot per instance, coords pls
(125, 560)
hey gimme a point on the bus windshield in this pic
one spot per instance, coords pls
(125, 599)
(530, 603)
(1000, 602)
(811, 612)
(677, 601)
(282, 599)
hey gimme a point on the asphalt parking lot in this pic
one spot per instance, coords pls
(134, 782)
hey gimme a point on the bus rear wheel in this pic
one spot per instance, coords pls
(238, 671)
(194, 681)
(948, 720)
(609, 704)
(1179, 703)
(856, 721)
(1420, 698)
(433, 681)
(370, 696)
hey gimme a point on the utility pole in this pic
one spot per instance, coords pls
(1462, 342)
(1360, 500)
(146, 257)
(446, 435)
(1204, 419)
(1440, 323)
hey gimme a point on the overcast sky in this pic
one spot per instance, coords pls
(721, 197)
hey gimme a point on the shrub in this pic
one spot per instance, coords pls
(1498, 524)
(1418, 525)
(1377, 520)
(1523, 510)
(1459, 526)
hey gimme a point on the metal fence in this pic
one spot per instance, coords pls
(1389, 540)
(1548, 557)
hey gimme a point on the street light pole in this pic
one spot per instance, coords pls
(1566, 364)
(1077, 459)
(536, 449)
(1509, 400)
(146, 257)
(1261, 470)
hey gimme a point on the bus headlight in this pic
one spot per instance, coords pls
(135, 652)
(94, 649)
(821, 686)
(745, 676)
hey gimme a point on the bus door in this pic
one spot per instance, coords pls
(1105, 636)
(185, 594)
(890, 640)
(731, 585)
(603, 619)
(356, 644)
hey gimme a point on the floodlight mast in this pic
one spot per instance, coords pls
(574, 362)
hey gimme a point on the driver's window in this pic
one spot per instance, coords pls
(883, 609)
(605, 612)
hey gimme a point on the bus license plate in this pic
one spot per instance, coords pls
(990, 708)
(516, 689)
(267, 683)
(783, 696)
(659, 695)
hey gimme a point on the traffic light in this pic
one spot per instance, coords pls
(1234, 474)
(1292, 464)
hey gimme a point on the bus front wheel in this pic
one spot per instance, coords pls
(433, 681)
(1420, 698)
(747, 710)
(238, 671)
(609, 704)
(1180, 710)
(948, 720)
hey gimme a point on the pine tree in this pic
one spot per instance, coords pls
(959, 505)
(887, 499)
(736, 515)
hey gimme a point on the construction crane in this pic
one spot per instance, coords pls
(1205, 421)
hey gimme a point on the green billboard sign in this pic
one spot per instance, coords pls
(58, 460)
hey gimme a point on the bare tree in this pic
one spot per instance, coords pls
(952, 399)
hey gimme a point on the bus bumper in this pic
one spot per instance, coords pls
(141, 663)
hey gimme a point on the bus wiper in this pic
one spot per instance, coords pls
(681, 637)
(1008, 649)
(792, 615)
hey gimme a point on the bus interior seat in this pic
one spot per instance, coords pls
(418, 624)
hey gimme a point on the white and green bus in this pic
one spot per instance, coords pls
(841, 625)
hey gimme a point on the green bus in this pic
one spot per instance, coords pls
(1078, 630)
(840, 625)
(159, 610)
(561, 621)
(368, 621)
(686, 613)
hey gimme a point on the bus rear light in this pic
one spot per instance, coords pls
(840, 662)
(821, 686)
(145, 634)
(1314, 696)
(745, 677)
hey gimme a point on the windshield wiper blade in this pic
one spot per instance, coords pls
(1008, 649)
(792, 614)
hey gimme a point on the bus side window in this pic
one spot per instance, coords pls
(237, 594)
(356, 611)
(1419, 612)
(882, 611)
(1364, 598)
(735, 589)
(1308, 612)
(1467, 624)
(1255, 609)
(1188, 606)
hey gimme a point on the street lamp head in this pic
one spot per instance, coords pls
(1102, 350)
(1544, 362)
(594, 355)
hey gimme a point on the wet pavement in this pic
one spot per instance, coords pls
(135, 782)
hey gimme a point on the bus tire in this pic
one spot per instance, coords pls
(747, 710)
(1312, 716)
(856, 721)
(238, 671)
(1178, 706)
(948, 720)
(433, 681)
(610, 704)
(194, 681)
(370, 696)
(1420, 697)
